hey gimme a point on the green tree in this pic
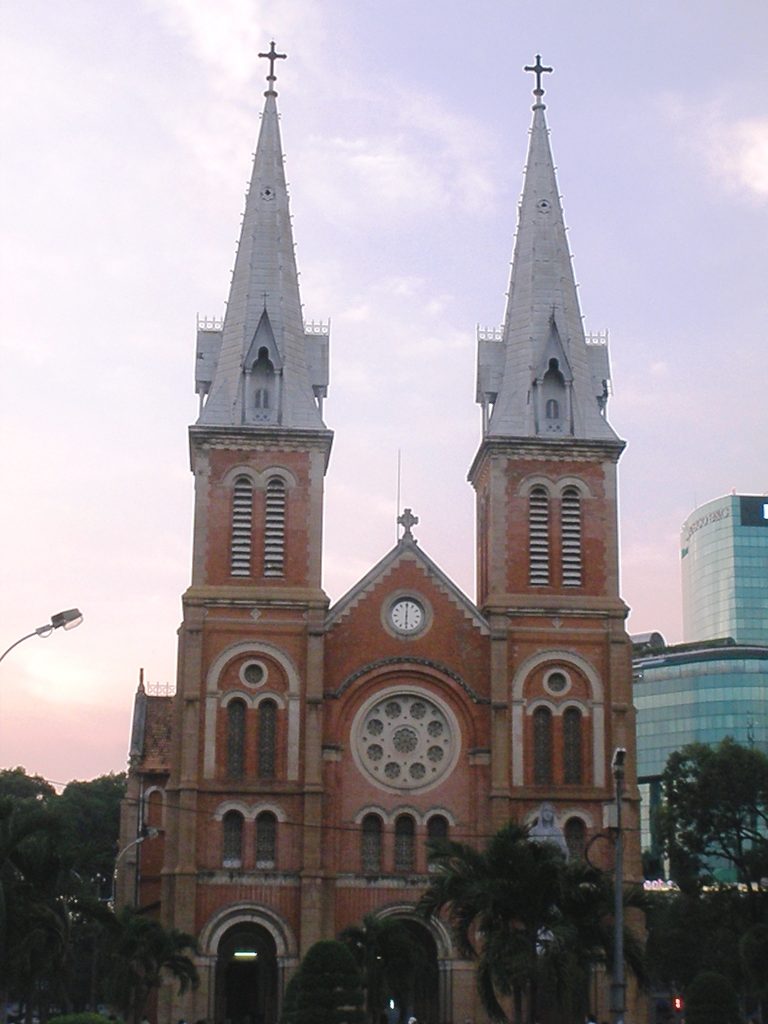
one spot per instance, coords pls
(390, 961)
(138, 952)
(527, 918)
(711, 999)
(753, 951)
(15, 783)
(90, 817)
(716, 806)
(326, 989)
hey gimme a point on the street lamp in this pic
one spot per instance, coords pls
(61, 620)
(617, 982)
(147, 832)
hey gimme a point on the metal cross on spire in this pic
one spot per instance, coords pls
(538, 69)
(272, 56)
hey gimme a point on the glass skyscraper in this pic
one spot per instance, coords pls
(724, 558)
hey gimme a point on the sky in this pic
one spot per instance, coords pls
(128, 128)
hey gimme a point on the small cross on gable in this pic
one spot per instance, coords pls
(407, 520)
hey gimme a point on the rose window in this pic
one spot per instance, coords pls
(405, 741)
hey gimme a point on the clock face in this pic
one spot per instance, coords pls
(407, 615)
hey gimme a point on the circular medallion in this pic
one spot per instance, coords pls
(405, 740)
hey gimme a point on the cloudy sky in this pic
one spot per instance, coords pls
(127, 133)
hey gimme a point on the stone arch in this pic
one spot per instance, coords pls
(217, 666)
(436, 928)
(596, 709)
(223, 920)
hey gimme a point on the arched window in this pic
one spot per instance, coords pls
(267, 738)
(538, 537)
(552, 410)
(232, 846)
(542, 746)
(153, 814)
(570, 512)
(437, 829)
(274, 527)
(553, 398)
(242, 524)
(575, 837)
(572, 770)
(266, 840)
(405, 847)
(236, 739)
(263, 374)
(370, 845)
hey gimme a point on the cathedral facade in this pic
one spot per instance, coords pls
(289, 786)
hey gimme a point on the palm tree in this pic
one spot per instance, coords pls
(527, 917)
(389, 959)
(138, 952)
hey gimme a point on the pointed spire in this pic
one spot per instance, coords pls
(265, 367)
(542, 380)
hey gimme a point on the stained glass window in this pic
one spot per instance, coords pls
(236, 739)
(542, 746)
(572, 771)
(370, 845)
(232, 846)
(266, 840)
(405, 848)
(267, 738)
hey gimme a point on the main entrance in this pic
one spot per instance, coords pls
(422, 998)
(246, 977)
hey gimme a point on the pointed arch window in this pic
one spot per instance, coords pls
(274, 527)
(572, 769)
(236, 739)
(405, 846)
(542, 747)
(266, 840)
(575, 837)
(267, 738)
(570, 512)
(538, 537)
(242, 526)
(232, 845)
(370, 845)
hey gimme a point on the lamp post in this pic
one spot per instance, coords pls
(67, 620)
(617, 982)
(147, 832)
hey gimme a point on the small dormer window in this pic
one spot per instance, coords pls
(553, 397)
(552, 409)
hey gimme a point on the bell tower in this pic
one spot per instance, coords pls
(249, 688)
(547, 546)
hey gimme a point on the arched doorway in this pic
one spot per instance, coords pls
(246, 976)
(421, 997)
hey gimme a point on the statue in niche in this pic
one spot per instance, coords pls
(546, 829)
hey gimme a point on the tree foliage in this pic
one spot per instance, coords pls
(711, 999)
(528, 918)
(326, 989)
(716, 807)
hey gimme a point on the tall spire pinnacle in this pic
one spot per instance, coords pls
(540, 377)
(261, 369)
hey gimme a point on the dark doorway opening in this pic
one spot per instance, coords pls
(246, 977)
(422, 1000)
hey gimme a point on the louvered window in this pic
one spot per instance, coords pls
(405, 849)
(274, 527)
(575, 838)
(267, 738)
(266, 840)
(370, 845)
(538, 537)
(542, 746)
(232, 851)
(242, 525)
(235, 739)
(572, 771)
(571, 537)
